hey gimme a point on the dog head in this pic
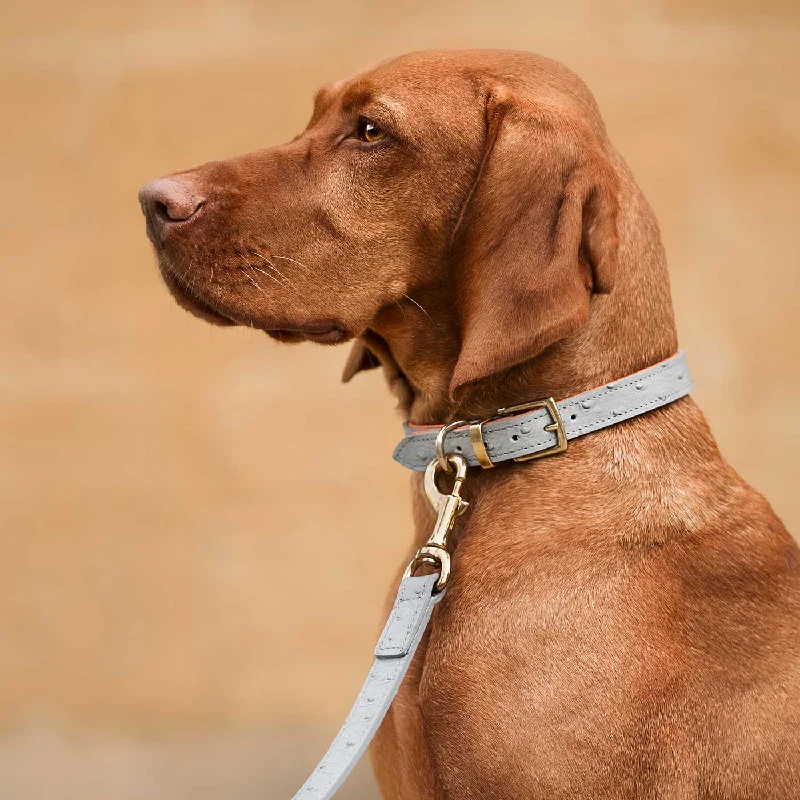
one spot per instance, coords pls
(455, 207)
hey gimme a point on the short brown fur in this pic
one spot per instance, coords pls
(623, 621)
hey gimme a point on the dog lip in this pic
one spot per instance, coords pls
(323, 332)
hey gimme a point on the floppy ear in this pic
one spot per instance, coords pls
(536, 237)
(360, 358)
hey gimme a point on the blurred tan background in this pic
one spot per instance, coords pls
(182, 613)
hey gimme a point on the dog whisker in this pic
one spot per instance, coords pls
(186, 272)
(264, 272)
(275, 269)
(433, 322)
(294, 261)
(272, 267)
(253, 281)
(262, 257)
(253, 266)
(402, 310)
(192, 275)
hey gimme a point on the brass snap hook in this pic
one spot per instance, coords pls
(438, 498)
(447, 507)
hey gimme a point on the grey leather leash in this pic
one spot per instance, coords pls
(544, 427)
(532, 430)
(393, 654)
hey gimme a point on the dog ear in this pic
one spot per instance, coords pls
(360, 358)
(537, 235)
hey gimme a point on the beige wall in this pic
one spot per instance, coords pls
(185, 609)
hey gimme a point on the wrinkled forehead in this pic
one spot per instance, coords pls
(400, 88)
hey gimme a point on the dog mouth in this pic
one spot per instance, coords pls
(323, 332)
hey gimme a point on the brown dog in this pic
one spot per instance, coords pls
(623, 620)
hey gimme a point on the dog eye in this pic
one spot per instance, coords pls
(369, 131)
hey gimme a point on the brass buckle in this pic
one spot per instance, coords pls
(557, 425)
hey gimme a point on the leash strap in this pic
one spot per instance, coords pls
(393, 654)
(520, 433)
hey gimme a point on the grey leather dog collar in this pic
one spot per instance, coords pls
(396, 647)
(545, 426)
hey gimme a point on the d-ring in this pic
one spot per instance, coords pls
(441, 456)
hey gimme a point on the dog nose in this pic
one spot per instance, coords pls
(167, 201)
